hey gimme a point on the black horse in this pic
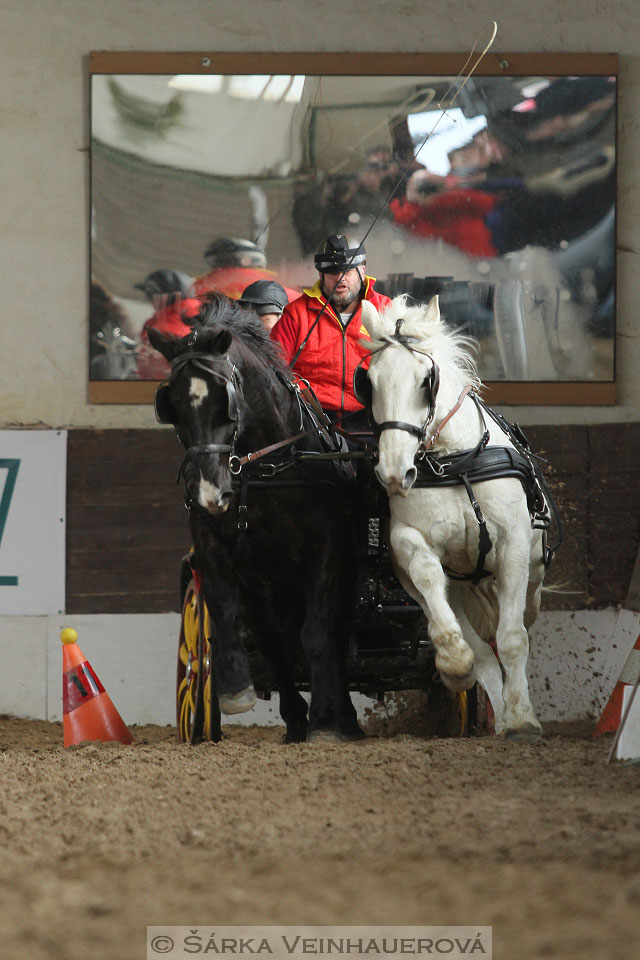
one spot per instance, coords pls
(274, 535)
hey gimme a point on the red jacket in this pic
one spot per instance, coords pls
(331, 353)
(456, 216)
(232, 281)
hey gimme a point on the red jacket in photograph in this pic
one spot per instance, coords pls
(172, 319)
(455, 216)
(332, 352)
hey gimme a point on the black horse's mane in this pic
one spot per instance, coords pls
(220, 313)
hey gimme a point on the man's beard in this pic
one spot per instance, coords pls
(341, 300)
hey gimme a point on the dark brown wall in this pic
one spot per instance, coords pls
(127, 526)
(126, 523)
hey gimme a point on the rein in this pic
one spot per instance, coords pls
(237, 463)
(434, 436)
(322, 426)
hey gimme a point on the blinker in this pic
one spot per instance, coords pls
(163, 405)
(165, 410)
(362, 386)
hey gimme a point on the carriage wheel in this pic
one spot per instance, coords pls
(453, 714)
(189, 699)
(207, 689)
(463, 713)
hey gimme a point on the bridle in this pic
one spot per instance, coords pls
(220, 368)
(362, 389)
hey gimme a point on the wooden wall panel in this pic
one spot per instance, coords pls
(614, 509)
(127, 527)
(126, 523)
(566, 452)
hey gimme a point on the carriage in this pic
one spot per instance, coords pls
(295, 555)
(389, 651)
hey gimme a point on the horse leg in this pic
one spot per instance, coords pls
(332, 715)
(293, 710)
(236, 693)
(423, 570)
(488, 670)
(293, 706)
(278, 630)
(513, 645)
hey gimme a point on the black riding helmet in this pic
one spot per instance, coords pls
(234, 252)
(166, 281)
(338, 253)
(264, 296)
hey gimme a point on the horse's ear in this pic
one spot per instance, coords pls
(221, 342)
(164, 343)
(370, 319)
(433, 310)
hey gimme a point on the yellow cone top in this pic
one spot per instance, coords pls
(69, 635)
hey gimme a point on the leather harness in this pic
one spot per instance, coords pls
(478, 464)
(466, 467)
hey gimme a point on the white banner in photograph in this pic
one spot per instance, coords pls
(33, 478)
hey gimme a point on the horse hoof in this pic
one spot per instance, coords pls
(239, 702)
(458, 684)
(525, 734)
(295, 735)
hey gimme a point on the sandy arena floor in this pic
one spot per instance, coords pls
(541, 842)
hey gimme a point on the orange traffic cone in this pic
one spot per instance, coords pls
(88, 713)
(612, 713)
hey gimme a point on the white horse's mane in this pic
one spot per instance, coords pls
(448, 347)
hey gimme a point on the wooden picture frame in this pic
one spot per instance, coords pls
(583, 390)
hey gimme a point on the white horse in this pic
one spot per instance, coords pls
(423, 384)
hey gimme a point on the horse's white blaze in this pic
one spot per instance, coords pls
(198, 390)
(395, 462)
(399, 401)
(210, 498)
(436, 528)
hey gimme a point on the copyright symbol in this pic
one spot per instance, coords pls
(162, 944)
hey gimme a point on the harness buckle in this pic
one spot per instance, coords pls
(242, 517)
(437, 468)
(478, 512)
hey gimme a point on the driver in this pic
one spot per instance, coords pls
(320, 331)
